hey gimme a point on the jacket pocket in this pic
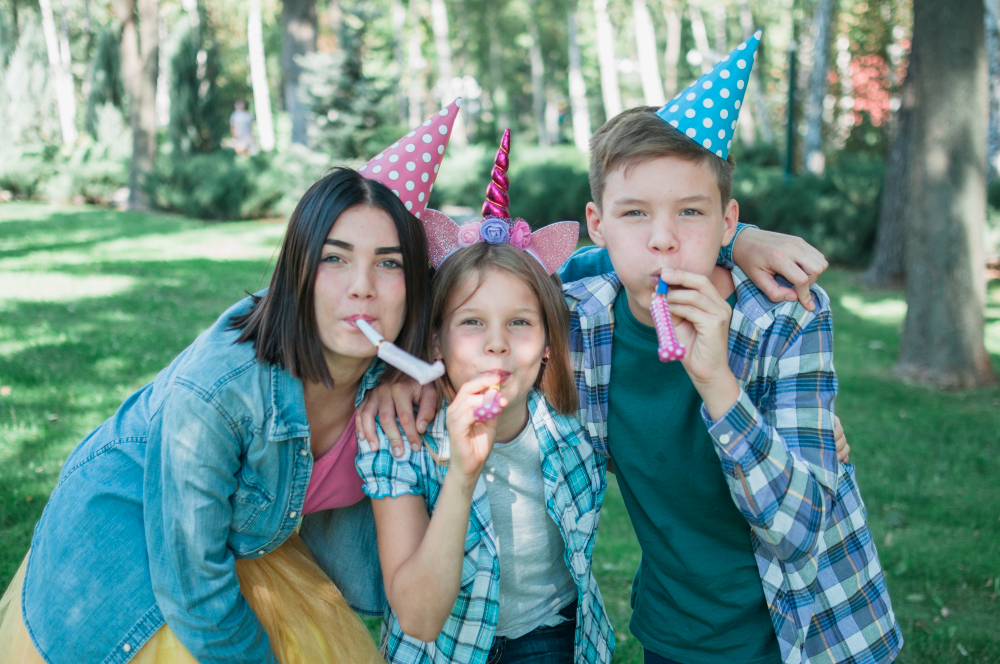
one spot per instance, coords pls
(247, 503)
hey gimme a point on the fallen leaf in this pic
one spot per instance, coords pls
(5, 391)
(965, 653)
(916, 598)
(945, 612)
(52, 417)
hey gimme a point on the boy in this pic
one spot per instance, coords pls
(766, 557)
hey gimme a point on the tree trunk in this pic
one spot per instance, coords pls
(258, 77)
(814, 159)
(442, 47)
(672, 52)
(578, 88)
(992, 18)
(299, 25)
(756, 88)
(942, 342)
(645, 46)
(398, 25)
(496, 68)
(415, 64)
(162, 78)
(139, 69)
(537, 75)
(610, 91)
(708, 57)
(888, 266)
(62, 77)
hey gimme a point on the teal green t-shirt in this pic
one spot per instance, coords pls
(697, 596)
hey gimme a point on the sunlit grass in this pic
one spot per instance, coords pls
(93, 303)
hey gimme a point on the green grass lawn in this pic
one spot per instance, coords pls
(93, 303)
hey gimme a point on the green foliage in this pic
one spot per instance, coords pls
(105, 77)
(208, 185)
(355, 110)
(198, 120)
(27, 99)
(836, 213)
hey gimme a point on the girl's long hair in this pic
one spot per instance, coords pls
(555, 378)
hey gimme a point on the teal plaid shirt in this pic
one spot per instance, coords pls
(821, 574)
(574, 480)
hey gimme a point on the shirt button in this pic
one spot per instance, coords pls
(127, 647)
(304, 452)
(724, 439)
(292, 514)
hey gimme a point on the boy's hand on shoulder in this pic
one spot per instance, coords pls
(703, 328)
(763, 254)
(471, 439)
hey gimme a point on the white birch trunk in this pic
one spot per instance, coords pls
(398, 25)
(163, 78)
(672, 52)
(721, 38)
(415, 65)
(610, 91)
(258, 78)
(992, 20)
(814, 159)
(708, 56)
(442, 47)
(537, 77)
(62, 78)
(577, 88)
(755, 90)
(645, 45)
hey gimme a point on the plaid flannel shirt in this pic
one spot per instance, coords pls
(821, 574)
(574, 480)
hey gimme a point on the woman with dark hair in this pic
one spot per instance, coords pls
(171, 536)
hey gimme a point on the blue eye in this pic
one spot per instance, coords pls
(633, 213)
(690, 212)
(520, 321)
(391, 264)
(332, 258)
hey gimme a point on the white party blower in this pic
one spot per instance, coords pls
(392, 354)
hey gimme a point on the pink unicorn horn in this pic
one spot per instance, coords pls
(497, 200)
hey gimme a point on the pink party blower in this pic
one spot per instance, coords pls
(669, 348)
(491, 405)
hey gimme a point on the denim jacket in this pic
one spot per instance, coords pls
(207, 464)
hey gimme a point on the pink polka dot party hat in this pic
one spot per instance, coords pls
(410, 165)
(706, 111)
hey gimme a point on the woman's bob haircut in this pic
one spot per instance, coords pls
(282, 322)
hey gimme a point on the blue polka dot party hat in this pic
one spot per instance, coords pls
(706, 111)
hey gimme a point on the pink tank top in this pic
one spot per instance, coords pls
(335, 482)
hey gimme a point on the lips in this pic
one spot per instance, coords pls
(502, 375)
(352, 320)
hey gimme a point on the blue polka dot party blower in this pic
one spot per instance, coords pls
(706, 111)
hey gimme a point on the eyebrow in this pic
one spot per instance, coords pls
(695, 198)
(350, 247)
(629, 201)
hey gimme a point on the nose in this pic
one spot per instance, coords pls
(362, 284)
(496, 343)
(663, 237)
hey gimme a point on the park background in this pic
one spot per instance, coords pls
(871, 128)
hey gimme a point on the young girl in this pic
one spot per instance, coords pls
(171, 536)
(486, 534)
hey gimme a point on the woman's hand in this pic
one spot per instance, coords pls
(843, 449)
(392, 401)
(763, 254)
(471, 439)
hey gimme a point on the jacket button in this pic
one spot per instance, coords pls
(127, 647)
(261, 552)
(304, 452)
(724, 439)
(292, 514)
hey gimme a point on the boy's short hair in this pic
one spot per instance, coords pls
(639, 135)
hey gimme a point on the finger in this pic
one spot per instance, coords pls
(365, 423)
(427, 407)
(404, 412)
(770, 287)
(387, 417)
(696, 316)
(838, 429)
(710, 301)
(812, 261)
(686, 279)
(478, 384)
(802, 283)
(844, 454)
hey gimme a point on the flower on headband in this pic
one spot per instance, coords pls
(468, 234)
(494, 230)
(520, 234)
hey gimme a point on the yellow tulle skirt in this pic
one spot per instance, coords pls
(304, 614)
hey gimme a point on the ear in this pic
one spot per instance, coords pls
(732, 216)
(594, 228)
(552, 245)
(436, 341)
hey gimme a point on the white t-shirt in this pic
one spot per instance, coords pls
(534, 581)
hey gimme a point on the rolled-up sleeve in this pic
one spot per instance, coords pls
(193, 459)
(385, 476)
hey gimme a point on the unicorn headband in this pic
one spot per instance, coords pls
(550, 246)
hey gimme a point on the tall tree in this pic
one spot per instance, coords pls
(645, 46)
(577, 86)
(500, 103)
(942, 342)
(140, 51)
(756, 88)
(446, 76)
(299, 26)
(992, 18)
(672, 51)
(415, 64)
(398, 24)
(888, 266)
(822, 22)
(258, 78)
(57, 46)
(537, 74)
(610, 91)
(708, 56)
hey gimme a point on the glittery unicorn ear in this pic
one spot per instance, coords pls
(552, 245)
(442, 236)
(497, 203)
